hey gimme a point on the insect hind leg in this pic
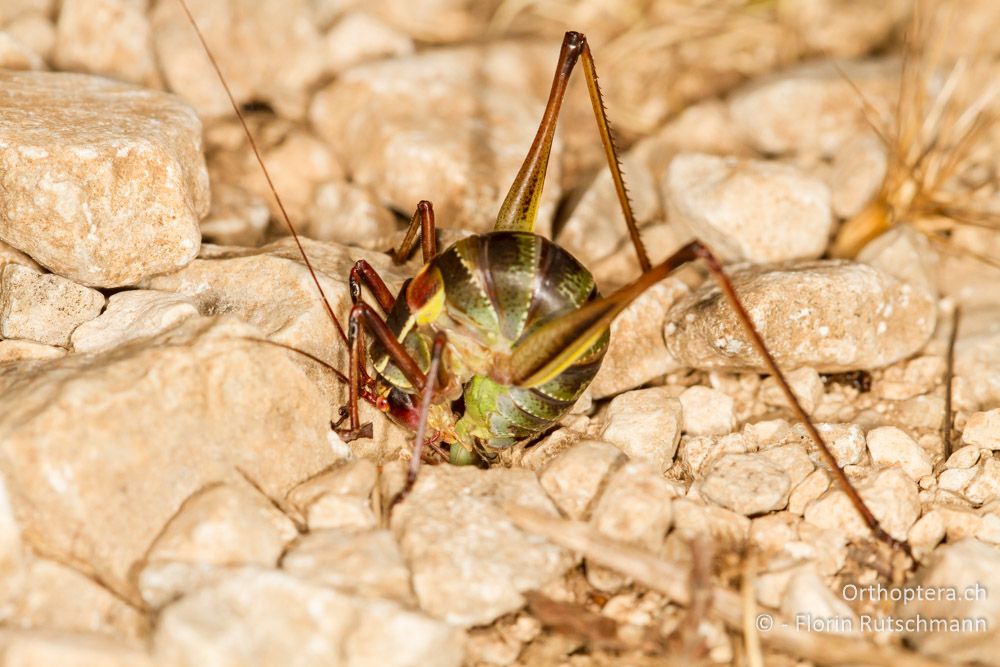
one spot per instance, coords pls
(521, 205)
(559, 343)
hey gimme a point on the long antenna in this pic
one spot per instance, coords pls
(260, 161)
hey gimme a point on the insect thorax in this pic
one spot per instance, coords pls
(489, 292)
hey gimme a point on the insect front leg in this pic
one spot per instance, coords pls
(363, 272)
(361, 385)
(558, 344)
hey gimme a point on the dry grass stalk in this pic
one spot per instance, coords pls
(941, 112)
(672, 580)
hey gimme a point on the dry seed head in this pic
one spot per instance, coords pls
(943, 109)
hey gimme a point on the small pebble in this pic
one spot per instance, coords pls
(339, 498)
(750, 484)
(130, 316)
(806, 384)
(985, 485)
(646, 425)
(889, 446)
(363, 563)
(223, 526)
(250, 612)
(470, 563)
(983, 430)
(971, 568)
(707, 411)
(574, 478)
(807, 597)
(890, 495)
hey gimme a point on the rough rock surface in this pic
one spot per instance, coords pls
(365, 563)
(746, 483)
(889, 445)
(15, 55)
(809, 109)
(131, 316)
(271, 618)
(89, 649)
(242, 281)
(749, 210)
(93, 488)
(707, 411)
(103, 182)
(634, 508)
(890, 495)
(830, 315)
(358, 37)
(470, 563)
(337, 499)
(575, 478)
(44, 307)
(221, 526)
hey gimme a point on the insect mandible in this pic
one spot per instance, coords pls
(497, 335)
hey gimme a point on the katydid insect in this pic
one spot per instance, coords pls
(497, 335)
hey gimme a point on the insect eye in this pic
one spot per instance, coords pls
(382, 404)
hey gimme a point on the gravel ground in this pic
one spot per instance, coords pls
(171, 491)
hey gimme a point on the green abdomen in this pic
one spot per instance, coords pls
(501, 287)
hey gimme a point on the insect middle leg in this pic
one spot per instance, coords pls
(426, 397)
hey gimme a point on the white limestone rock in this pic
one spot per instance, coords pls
(132, 316)
(339, 498)
(269, 617)
(107, 448)
(750, 484)
(366, 563)
(707, 411)
(890, 446)
(574, 478)
(749, 210)
(219, 527)
(470, 563)
(482, 103)
(966, 566)
(247, 37)
(110, 38)
(104, 182)
(983, 430)
(44, 307)
(646, 425)
(890, 495)
(637, 352)
(829, 315)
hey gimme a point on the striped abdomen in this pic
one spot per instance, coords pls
(498, 288)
